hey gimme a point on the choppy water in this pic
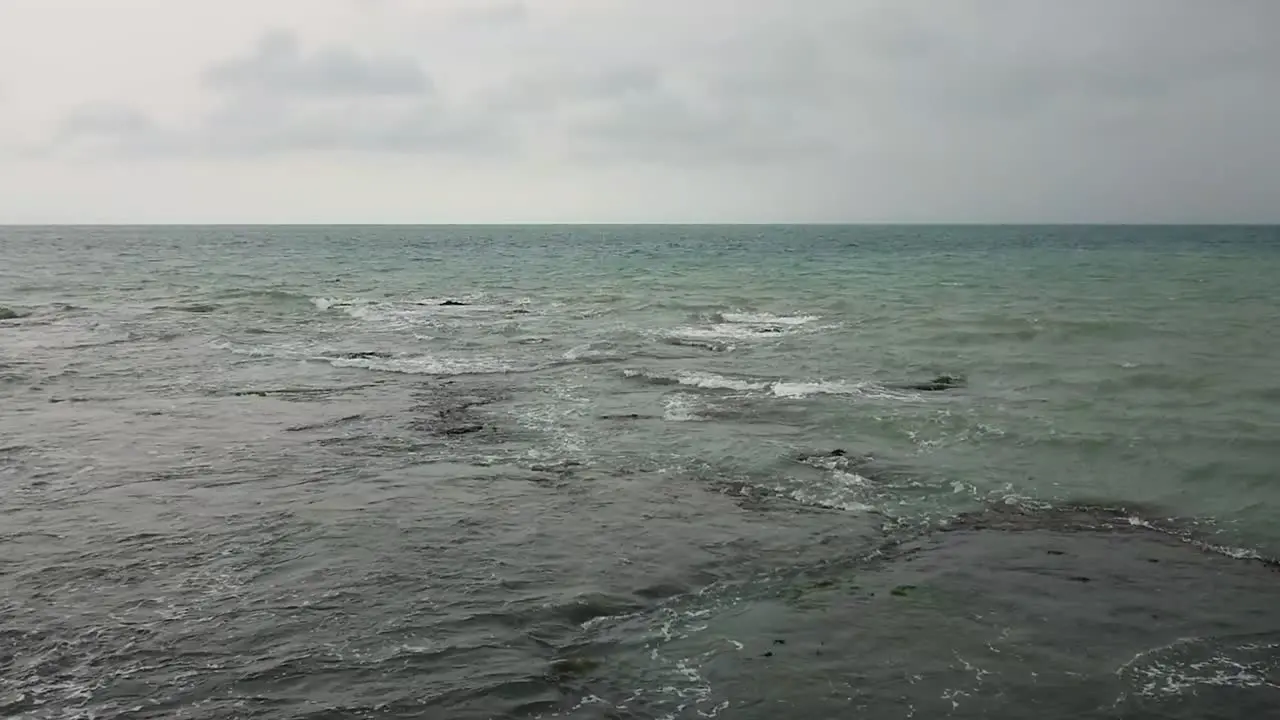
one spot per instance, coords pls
(643, 472)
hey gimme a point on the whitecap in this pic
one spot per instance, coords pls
(795, 390)
(724, 331)
(699, 379)
(838, 497)
(712, 381)
(764, 318)
(680, 407)
(432, 365)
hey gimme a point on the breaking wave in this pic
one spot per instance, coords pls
(777, 388)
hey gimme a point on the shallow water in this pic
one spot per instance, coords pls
(639, 472)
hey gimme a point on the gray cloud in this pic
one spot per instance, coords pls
(281, 99)
(272, 127)
(1030, 109)
(279, 67)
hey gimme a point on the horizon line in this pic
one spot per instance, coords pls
(544, 223)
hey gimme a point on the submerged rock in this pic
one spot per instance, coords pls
(565, 668)
(461, 429)
(453, 303)
(939, 383)
(969, 621)
(9, 313)
(197, 308)
(365, 355)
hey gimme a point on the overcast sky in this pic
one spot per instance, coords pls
(639, 110)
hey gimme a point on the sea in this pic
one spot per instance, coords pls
(647, 472)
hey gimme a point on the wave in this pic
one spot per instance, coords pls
(417, 363)
(764, 318)
(47, 312)
(680, 407)
(434, 365)
(589, 353)
(710, 345)
(790, 390)
(411, 314)
(698, 379)
(264, 294)
(195, 308)
(720, 331)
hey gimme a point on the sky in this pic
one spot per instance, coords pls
(497, 111)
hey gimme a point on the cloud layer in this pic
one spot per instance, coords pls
(871, 110)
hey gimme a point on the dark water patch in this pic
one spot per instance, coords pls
(1106, 516)
(194, 308)
(715, 346)
(979, 337)
(629, 416)
(361, 445)
(450, 409)
(325, 424)
(362, 355)
(109, 342)
(9, 377)
(77, 399)
(267, 296)
(1113, 328)
(1266, 389)
(303, 394)
(560, 467)
(8, 313)
(1142, 379)
(1068, 613)
(49, 312)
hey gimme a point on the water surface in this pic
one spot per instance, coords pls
(639, 472)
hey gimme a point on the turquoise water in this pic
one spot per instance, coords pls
(590, 481)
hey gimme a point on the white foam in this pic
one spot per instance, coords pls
(700, 379)
(1155, 677)
(588, 352)
(778, 388)
(384, 313)
(558, 421)
(850, 479)
(712, 381)
(764, 318)
(404, 313)
(723, 331)
(430, 365)
(834, 499)
(805, 389)
(679, 407)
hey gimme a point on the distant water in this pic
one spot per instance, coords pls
(639, 472)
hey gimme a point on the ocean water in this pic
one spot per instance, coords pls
(639, 472)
